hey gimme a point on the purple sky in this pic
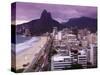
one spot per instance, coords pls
(29, 11)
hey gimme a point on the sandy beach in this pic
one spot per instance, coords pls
(28, 55)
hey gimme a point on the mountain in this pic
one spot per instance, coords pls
(82, 22)
(39, 26)
(46, 23)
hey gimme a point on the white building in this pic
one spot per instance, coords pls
(54, 31)
(59, 35)
(84, 43)
(82, 58)
(92, 38)
(60, 62)
(71, 37)
(93, 54)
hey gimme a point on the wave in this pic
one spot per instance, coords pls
(20, 47)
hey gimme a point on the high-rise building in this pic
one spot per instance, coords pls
(74, 56)
(84, 42)
(54, 31)
(60, 62)
(88, 54)
(59, 35)
(92, 38)
(93, 54)
(82, 58)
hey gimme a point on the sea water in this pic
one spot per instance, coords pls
(23, 43)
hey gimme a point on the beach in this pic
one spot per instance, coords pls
(28, 55)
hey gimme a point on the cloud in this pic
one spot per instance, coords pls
(30, 11)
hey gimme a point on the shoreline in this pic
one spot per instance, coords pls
(21, 47)
(29, 54)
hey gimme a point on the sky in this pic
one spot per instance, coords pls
(26, 12)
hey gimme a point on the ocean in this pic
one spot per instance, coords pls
(23, 43)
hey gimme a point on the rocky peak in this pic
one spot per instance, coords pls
(45, 15)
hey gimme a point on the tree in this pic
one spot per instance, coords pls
(77, 66)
